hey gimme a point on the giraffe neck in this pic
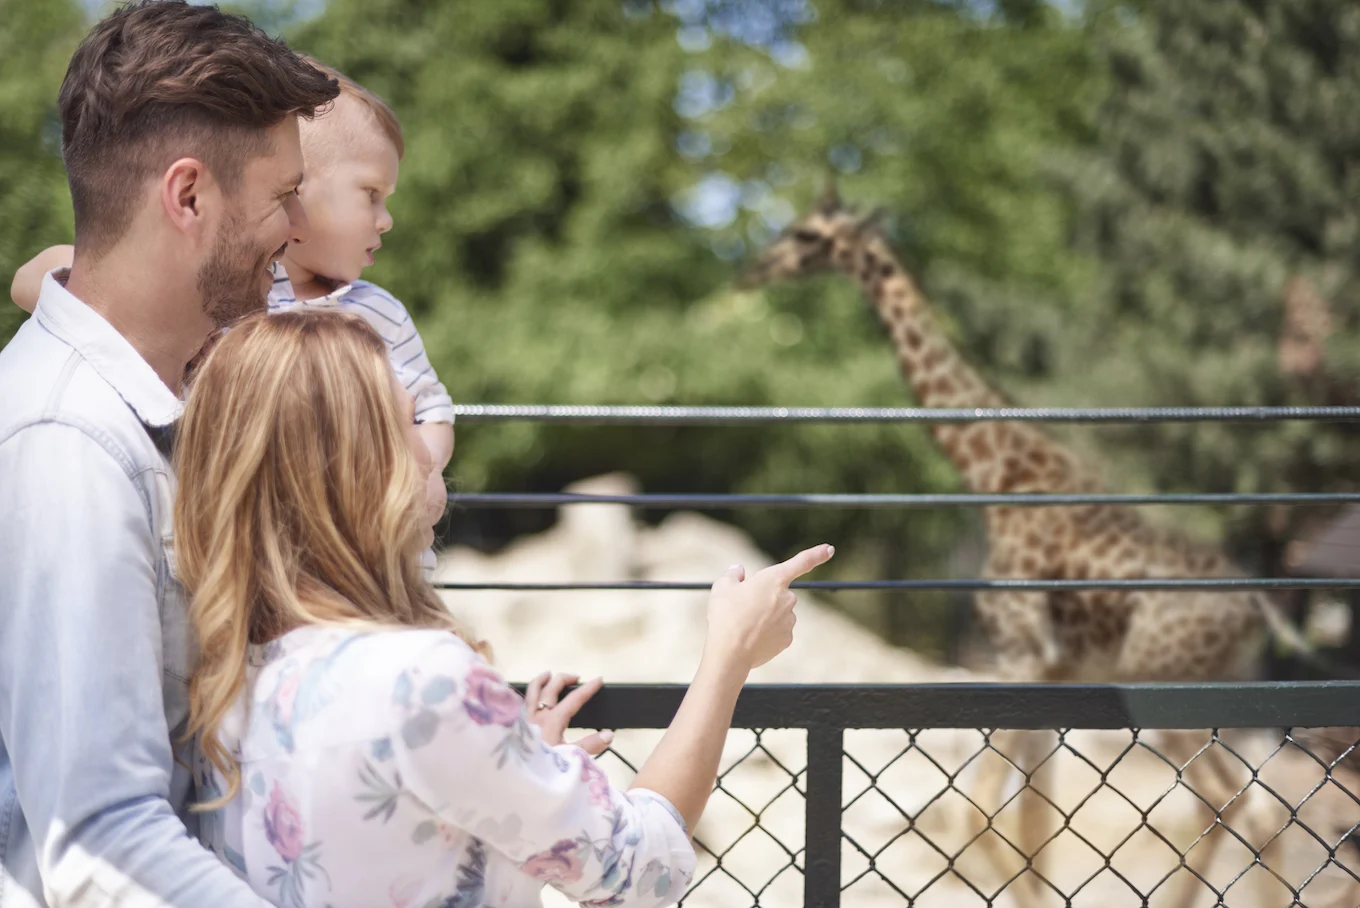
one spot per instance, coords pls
(939, 376)
(991, 456)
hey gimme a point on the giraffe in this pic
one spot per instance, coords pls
(1304, 329)
(1093, 636)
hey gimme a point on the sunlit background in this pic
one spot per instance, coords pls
(1105, 202)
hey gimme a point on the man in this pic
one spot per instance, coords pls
(180, 138)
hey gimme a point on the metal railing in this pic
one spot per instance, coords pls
(1251, 807)
(1002, 795)
(727, 416)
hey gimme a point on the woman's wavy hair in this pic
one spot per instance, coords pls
(298, 501)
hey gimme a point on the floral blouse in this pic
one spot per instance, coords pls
(396, 768)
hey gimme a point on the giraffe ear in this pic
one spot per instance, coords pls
(871, 221)
(830, 202)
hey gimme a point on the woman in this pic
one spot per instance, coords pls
(358, 749)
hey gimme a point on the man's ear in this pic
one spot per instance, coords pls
(187, 191)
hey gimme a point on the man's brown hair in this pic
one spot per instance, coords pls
(159, 80)
(383, 116)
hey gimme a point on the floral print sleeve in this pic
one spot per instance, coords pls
(463, 746)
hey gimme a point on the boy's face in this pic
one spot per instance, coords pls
(346, 205)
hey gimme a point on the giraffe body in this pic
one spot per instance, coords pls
(1079, 636)
(1086, 636)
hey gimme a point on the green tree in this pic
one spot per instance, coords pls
(1228, 161)
(582, 179)
(35, 207)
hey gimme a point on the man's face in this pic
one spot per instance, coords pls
(260, 220)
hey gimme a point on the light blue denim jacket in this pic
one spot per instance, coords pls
(95, 648)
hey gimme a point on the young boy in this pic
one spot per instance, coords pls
(351, 156)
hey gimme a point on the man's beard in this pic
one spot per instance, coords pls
(229, 281)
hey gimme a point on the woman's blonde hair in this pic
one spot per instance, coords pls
(298, 504)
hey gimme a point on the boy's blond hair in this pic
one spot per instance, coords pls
(382, 114)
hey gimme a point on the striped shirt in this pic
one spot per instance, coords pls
(393, 323)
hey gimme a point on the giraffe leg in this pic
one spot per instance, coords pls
(1021, 633)
(1031, 838)
(1210, 775)
(988, 793)
(1177, 637)
(1025, 749)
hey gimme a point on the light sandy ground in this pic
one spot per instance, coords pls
(657, 636)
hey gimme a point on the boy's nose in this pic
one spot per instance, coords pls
(384, 221)
(299, 230)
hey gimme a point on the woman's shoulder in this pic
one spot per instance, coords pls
(318, 687)
(359, 648)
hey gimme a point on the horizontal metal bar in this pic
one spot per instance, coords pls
(855, 502)
(1303, 704)
(714, 416)
(1220, 584)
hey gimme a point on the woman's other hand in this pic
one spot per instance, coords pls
(553, 716)
(752, 618)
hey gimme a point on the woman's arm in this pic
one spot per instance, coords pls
(468, 752)
(464, 749)
(28, 279)
(749, 623)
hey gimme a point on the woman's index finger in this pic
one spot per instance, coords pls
(804, 562)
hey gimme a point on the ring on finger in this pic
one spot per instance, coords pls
(542, 705)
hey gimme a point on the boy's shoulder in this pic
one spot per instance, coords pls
(370, 296)
(366, 290)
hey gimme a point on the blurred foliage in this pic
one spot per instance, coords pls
(1103, 204)
(1228, 161)
(583, 179)
(36, 42)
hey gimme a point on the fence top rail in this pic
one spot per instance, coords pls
(1300, 704)
(529, 500)
(711, 416)
(1218, 584)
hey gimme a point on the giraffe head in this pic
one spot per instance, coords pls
(815, 242)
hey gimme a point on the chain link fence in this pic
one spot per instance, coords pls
(826, 813)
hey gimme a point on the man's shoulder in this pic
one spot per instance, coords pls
(44, 381)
